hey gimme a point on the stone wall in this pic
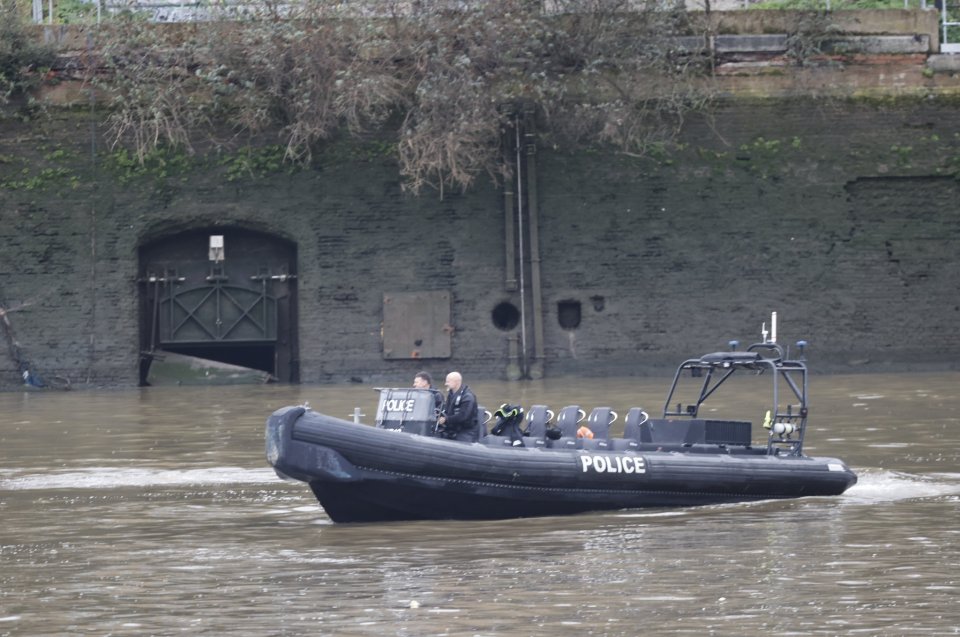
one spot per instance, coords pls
(840, 215)
(841, 218)
(826, 192)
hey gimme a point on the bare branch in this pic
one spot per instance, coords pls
(434, 75)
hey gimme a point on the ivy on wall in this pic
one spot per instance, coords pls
(24, 62)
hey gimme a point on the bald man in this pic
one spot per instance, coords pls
(459, 419)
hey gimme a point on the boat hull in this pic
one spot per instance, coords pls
(365, 474)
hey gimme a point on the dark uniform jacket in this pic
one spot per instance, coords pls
(461, 410)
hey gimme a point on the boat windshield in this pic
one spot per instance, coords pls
(407, 409)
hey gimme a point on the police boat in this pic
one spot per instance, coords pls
(532, 463)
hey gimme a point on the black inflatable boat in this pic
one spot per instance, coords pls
(399, 469)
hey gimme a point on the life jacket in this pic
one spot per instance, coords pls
(508, 422)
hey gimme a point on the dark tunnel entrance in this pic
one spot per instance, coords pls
(218, 305)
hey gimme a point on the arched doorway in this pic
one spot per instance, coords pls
(226, 296)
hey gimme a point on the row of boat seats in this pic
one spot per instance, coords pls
(639, 432)
(569, 420)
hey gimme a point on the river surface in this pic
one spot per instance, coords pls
(154, 512)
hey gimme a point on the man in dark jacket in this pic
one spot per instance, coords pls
(459, 420)
(423, 380)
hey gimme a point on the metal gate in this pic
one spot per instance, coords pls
(213, 311)
(223, 295)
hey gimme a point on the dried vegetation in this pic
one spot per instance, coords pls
(441, 80)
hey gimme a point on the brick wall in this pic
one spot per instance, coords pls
(840, 216)
(805, 211)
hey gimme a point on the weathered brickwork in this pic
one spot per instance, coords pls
(851, 241)
(841, 217)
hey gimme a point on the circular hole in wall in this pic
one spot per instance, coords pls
(505, 316)
(568, 314)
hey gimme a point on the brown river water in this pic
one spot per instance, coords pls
(154, 512)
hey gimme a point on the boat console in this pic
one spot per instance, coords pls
(410, 410)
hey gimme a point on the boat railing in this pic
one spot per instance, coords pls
(785, 422)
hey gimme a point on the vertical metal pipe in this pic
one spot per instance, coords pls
(155, 315)
(536, 368)
(523, 303)
(509, 236)
(94, 287)
(263, 313)
(513, 365)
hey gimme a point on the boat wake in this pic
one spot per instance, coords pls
(114, 477)
(876, 485)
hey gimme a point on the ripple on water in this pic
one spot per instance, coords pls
(113, 477)
(143, 529)
(874, 486)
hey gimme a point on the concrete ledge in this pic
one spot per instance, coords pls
(944, 63)
(880, 44)
(862, 22)
(773, 43)
(778, 42)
